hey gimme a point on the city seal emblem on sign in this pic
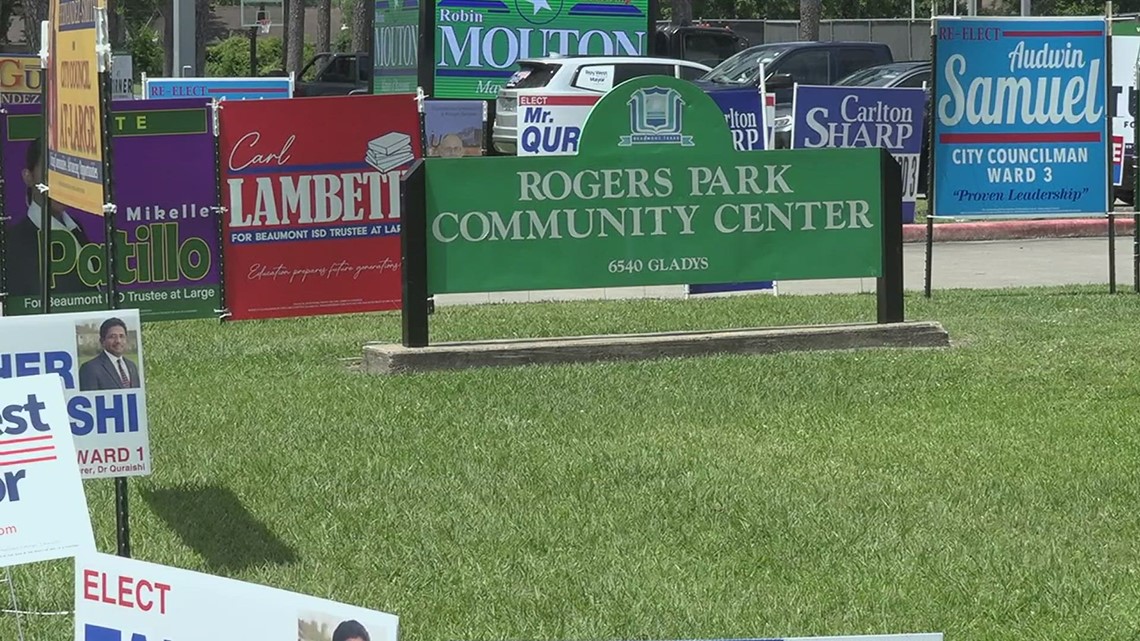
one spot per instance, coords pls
(655, 118)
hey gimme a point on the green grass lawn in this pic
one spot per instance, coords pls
(990, 491)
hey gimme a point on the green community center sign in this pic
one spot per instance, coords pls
(657, 195)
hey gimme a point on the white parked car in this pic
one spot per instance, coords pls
(576, 76)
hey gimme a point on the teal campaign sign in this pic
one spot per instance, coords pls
(478, 43)
(656, 195)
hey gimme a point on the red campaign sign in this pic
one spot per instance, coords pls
(312, 191)
(1118, 149)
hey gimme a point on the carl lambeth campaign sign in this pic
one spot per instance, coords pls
(1020, 117)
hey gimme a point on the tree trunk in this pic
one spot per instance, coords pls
(810, 13)
(324, 26)
(363, 16)
(201, 23)
(295, 27)
(168, 38)
(682, 12)
(116, 26)
(285, 32)
(35, 12)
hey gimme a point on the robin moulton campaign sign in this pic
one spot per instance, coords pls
(99, 357)
(1021, 123)
(43, 509)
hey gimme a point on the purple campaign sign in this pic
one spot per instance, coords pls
(891, 118)
(165, 191)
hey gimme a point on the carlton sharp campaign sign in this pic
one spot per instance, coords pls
(168, 250)
(99, 356)
(312, 188)
(478, 43)
(122, 599)
(890, 118)
(45, 510)
(75, 116)
(1021, 120)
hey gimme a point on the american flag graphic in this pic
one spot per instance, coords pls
(27, 450)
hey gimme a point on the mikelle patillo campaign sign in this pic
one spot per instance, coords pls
(99, 358)
(44, 511)
(1021, 123)
(312, 192)
(121, 599)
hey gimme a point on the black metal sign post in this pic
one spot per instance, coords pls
(413, 255)
(1111, 213)
(890, 283)
(931, 211)
(110, 271)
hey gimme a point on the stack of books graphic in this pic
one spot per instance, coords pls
(390, 151)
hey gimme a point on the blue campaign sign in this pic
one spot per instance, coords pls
(218, 88)
(744, 114)
(1021, 126)
(890, 118)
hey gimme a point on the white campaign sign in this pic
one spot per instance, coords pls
(550, 125)
(121, 599)
(101, 364)
(1124, 53)
(44, 514)
(122, 77)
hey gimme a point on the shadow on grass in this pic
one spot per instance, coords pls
(213, 522)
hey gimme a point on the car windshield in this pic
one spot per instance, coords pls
(873, 77)
(744, 67)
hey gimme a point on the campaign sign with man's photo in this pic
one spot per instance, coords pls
(99, 356)
(312, 189)
(119, 599)
(454, 128)
(167, 229)
(44, 513)
(891, 118)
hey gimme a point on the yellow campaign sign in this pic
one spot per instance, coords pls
(20, 79)
(74, 117)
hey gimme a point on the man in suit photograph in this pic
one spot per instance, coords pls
(22, 239)
(110, 369)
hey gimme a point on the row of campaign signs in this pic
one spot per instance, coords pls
(46, 517)
(281, 208)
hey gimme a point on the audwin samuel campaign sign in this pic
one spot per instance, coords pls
(478, 43)
(121, 599)
(312, 189)
(75, 117)
(396, 36)
(656, 195)
(21, 80)
(890, 118)
(44, 513)
(168, 251)
(99, 357)
(1021, 123)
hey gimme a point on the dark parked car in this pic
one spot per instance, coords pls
(789, 63)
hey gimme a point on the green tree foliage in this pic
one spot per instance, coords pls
(146, 51)
(230, 57)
